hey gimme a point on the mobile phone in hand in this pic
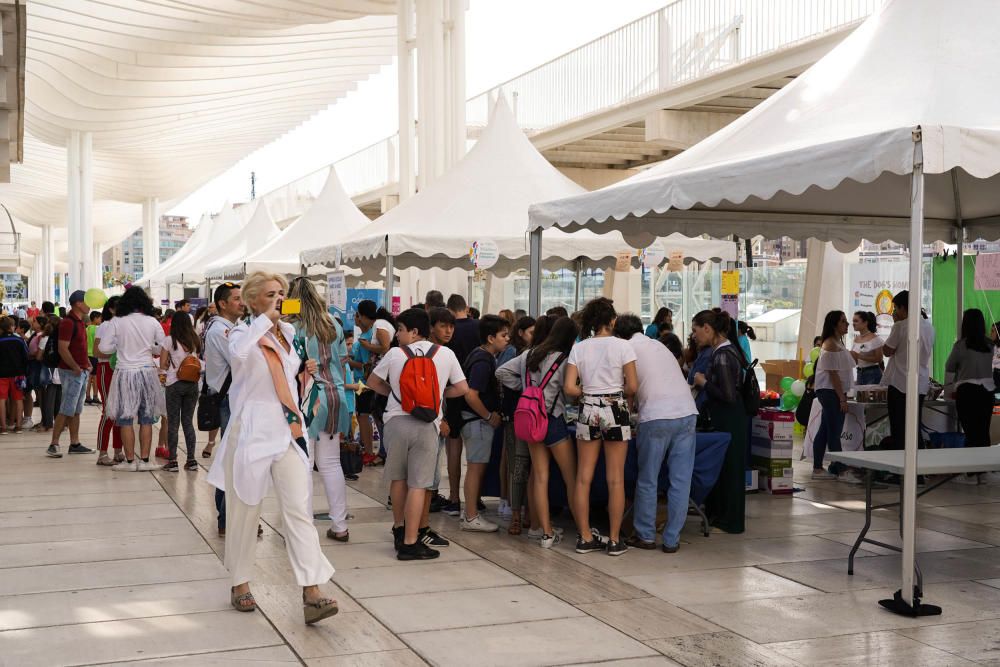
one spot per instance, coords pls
(291, 306)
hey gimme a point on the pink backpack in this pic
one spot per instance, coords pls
(531, 419)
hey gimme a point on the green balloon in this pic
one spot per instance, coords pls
(789, 402)
(814, 355)
(786, 383)
(807, 371)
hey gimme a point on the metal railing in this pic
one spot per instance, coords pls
(681, 42)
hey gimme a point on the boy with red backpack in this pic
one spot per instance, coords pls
(416, 376)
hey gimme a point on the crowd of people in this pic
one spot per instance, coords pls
(290, 392)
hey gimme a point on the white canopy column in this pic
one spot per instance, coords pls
(46, 266)
(150, 234)
(79, 208)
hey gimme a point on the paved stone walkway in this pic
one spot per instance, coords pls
(102, 567)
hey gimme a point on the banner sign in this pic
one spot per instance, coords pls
(870, 287)
(988, 271)
(353, 298)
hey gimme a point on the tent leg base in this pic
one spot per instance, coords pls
(898, 605)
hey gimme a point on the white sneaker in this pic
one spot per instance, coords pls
(145, 466)
(125, 466)
(850, 477)
(968, 480)
(27, 423)
(537, 533)
(549, 541)
(478, 524)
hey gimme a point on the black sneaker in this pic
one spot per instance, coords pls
(170, 466)
(80, 449)
(596, 543)
(616, 548)
(388, 503)
(416, 551)
(53, 452)
(431, 538)
(637, 542)
(191, 465)
(438, 502)
(671, 550)
(397, 536)
(452, 509)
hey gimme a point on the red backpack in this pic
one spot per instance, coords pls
(420, 394)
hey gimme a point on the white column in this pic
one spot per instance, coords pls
(404, 47)
(74, 237)
(88, 269)
(98, 267)
(46, 267)
(456, 73)
(150, 234)
(431, 84)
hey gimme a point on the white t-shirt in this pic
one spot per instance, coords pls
(600, 362)
(176, 357)
(102, 330)
(867, 346)
(384, 326)
(663, 391)
(136, 338)
(449, 371)
(895, 369)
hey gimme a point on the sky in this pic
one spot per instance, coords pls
(504, 38)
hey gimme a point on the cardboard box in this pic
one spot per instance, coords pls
(776, 369)
(752, 480)
(766, 430)
(775, 475)
(762, 448)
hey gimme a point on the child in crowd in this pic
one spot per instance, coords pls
(95, 321)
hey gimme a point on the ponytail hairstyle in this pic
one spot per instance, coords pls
(597, 314)
(369, 310)
(869, 319)
(543, 325)
(720, 322)
(560, 338)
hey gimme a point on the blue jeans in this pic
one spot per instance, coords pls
(673, 440)
(220, 495)
(831, 425)
(74, 391)
(870, 375)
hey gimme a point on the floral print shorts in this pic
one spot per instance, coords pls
(604, 418)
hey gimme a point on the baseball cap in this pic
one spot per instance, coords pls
(76, 296)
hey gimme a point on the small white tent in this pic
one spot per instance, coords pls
(331, 216)
(893, 135)
(230, 229)
(191, 247)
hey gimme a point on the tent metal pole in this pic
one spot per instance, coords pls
(535, 272)
(909, 519)
(960, 241)
(389, 283)
(578, 288)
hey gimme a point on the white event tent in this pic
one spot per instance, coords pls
(893, 135)
(331, 216)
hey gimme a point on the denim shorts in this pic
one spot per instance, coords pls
(74, 391)
(477, 437)
(557, 431)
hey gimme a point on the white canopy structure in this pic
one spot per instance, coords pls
(484, 197)
(331, 217)
(893, 135)
(261, 230)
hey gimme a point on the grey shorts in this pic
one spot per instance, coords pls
(413, 453)
(437, 464)
(477, 437)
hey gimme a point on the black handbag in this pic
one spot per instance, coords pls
(350, 458)
(209, 406)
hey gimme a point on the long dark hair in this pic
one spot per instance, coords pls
(661, 315)
(597, 314)
(110, 307)
(560, 339)
(517, 334)
(720, 322)
(543, 325)
(974, 331)
(830, 323)
(869, 319)
(134, 300)
(371, 311)
(182, 331)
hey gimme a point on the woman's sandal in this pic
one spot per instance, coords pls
(242, 602)
(515, 525)
(318, 610)
(207, 452)
(339, 538)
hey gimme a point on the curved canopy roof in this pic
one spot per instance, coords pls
(830, 155)
(332, 216)
(175, 92)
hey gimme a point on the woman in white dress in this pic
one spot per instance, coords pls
(265, 444)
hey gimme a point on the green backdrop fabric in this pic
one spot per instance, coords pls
(943, 306)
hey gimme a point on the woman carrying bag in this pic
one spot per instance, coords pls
(318, 336)
(180, 364)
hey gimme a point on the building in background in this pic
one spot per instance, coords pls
(123, 262)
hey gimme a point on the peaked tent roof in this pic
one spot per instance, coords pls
(259, 230)
(221, 232)
(231, 229)
(829, 156)
(192, 246)
(485, 196)
(331, 217)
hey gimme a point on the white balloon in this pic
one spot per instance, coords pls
(798, 388)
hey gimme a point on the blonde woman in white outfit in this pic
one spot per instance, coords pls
(263, 444)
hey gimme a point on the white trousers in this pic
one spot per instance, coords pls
(293, 487)
(327, 453)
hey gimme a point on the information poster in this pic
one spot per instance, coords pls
(356, 296)
(730, 282)
(870, 287)
(988, 271)
(623, 261)
(676, 261)
(731, 304)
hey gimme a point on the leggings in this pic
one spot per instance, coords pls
(974, 404)
(106, 430)
(50, 403)
(518, 467)
(326, 451)
(182, 397)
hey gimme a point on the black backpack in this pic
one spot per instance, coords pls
(50, 356)
(749, 387)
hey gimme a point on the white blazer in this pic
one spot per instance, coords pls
(257, 428)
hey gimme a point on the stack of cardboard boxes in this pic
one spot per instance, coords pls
(771, 449)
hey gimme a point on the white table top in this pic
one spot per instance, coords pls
(929, 461)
